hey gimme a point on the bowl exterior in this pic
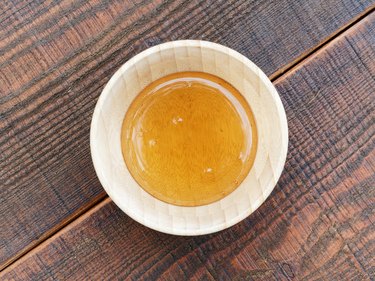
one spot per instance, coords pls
(154, 63)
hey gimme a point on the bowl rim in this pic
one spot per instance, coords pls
(189, 43)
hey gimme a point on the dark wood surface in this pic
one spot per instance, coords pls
(55, 58)
(316, 225)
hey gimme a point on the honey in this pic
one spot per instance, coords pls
(189, 138)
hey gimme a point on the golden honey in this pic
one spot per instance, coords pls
(189, 138)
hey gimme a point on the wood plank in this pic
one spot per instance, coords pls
(55, 57)
(317, 223)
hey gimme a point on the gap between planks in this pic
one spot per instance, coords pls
(103, 199)
(306, 55)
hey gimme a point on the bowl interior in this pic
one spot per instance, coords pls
(152, 64)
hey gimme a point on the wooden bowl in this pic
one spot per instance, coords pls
(152, 64)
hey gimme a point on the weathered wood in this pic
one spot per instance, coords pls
(317, 224)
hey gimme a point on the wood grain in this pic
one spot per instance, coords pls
(55, 58)
(317, 224)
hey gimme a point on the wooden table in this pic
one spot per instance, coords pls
(56, 221)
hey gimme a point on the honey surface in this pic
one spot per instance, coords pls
(189, 138)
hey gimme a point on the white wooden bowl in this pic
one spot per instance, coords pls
(152, 64)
